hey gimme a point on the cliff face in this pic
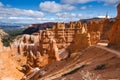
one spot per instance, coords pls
(56, 43)
(8, 64)
(114, 35)
(118, 11)
(1, 44)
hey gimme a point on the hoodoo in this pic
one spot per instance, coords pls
(114, 35)
(118, 11)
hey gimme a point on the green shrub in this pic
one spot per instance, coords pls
(12, 34)
(6, 40)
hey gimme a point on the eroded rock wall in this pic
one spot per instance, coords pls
(114, 34)
(118, 11)
(56, 43)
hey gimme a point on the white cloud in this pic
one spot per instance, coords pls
(1, 4)
(20, 18)
(83, 8)
(77, 1)
(15, 12)
(66, 17)
(102, 16)
(53, 7)
(8, 14)
(80, 15)
(69, 15)
(27, 20)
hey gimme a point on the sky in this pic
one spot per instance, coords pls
(40, 11)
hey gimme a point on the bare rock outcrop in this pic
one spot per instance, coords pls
(95, 37)
(1, 44)
(114, 34)
(56, 43)
(94, 26)
(118, 11)
(81, 40)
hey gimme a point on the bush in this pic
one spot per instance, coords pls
(6, 40)
(100, 67)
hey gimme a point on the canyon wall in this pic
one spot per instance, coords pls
(56, 43)
(118, 11)
(114, 34)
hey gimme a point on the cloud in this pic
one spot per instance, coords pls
(7, 11)
(80, 15)
(17, 15)
(102, 16)
(26, 20)
(15, 12)
(1, 4)
(53, 7)
(77, 1)
(83, 8)
(66, 17)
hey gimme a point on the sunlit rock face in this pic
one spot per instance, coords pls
(114, 34)
(8, 64)
(56, 43)
(94, 26)
(81, 39)
(94, 37)
(1, 44)
(99, 29)
(95, 29)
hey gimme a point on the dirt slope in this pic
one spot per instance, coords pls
(8, 66)
(96, 60)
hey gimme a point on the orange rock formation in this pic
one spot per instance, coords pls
(8, 64)
(118, 11)
(56, 43)
(114, 35)
(1, 44)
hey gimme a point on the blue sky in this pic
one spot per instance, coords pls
(39, 11)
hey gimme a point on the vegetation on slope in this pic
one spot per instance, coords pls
(12, 34)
